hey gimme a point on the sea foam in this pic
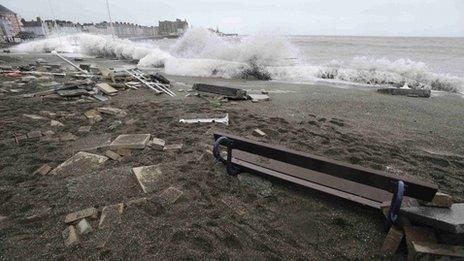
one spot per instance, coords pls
(202, 53)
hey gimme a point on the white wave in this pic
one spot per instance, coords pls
(202, 53)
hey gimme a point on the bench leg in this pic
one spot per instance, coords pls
(395, 205)
(231, 168)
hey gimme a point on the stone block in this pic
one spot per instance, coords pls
(258, 133)
(84, 129)
(392, 240)
(84, 227)
(431, 251)
(157, 144)
(112, 155)
(447, 219)
(440, 200)
(43, 170)
(148, 177)
(70, 236)
(112, 111)
(106, 88)
(55, 123)
(170, 196)
(81, 161)
(130, 141)
(78, 215)
(110, 215)
(173, 147)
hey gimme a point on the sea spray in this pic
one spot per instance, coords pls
(202, 53)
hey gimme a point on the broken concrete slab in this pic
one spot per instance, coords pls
(170, 196)
(258, 97)
(417, 234)
(130, 141)
(173, 147)
(93, 115)
(112, 111)
(43, 170)
(34, 134)
(136, 202)
(157, 144)
(440, 200)
(110, 215)
(447, 219)
(78, 215)
(34, 116)
(431, 251)
(92, 142)
(406, 92)
(84, 129)
(67, 136)
(392, 241)
(84, 227)
(106, 88)
(148, 176)
(79, 162)
(70, 236)
(54, 123)
(72, 93)
(112, 155)
(258, 133)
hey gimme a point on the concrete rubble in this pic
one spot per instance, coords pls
(91, 213)
(84, 227)
(78, 161)
(170, 196)
(70, 236)
(43, 170)
(148, 177)
(130, 141)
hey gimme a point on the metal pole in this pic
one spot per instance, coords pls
(111, 21)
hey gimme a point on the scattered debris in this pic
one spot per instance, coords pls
(112, 155)
(43, 170)
(114, 125)
(130, 141)
(78, 215)
(440, 200)
(447, 219)
(422, 93)
(170, 195)
(258, 97)
(224, 120)
(78, 161)
(178, 146)
(151, 82)
(110, 215)
(67, 136)
(106, 89)
(70, 236)
(258, 133)
(84, 129)
(84, 227)
(93, 115)
(229, 92)
(157, 144)
(112, 111)
(392, 241)
(55, 123)
(34, 116)
(148, 177)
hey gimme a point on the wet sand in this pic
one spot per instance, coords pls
(223, 217)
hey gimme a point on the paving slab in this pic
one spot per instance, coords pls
(112, 111)
(80, 163)
(84, 129)
(130, 141)
(43, 170)
(70, 236)
(446, 219)
(148, 176)
(78, 215)
(170, 196)
(157, 144)
(34, 116)
(92, 142)
(112, 155)
(431, 251)
(106, 88)
(173, 147)
(110, 215)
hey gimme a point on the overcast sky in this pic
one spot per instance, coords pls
(324, 17)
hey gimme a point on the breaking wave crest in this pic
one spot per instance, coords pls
(202, 53)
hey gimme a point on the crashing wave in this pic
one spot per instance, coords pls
(262, 57)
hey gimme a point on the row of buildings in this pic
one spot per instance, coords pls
(14, 29)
